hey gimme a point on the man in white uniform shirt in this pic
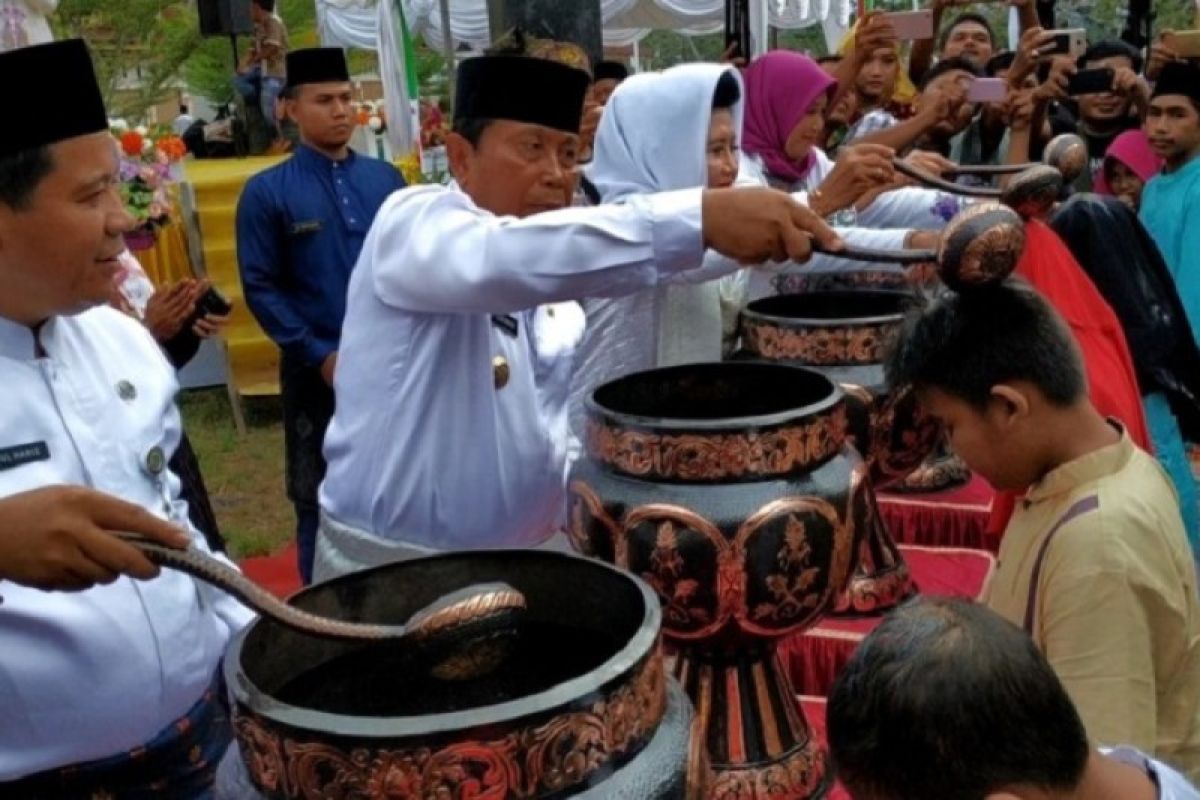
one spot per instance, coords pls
(109, 691)
(441, 439)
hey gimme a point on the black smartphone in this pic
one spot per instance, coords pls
(212, 302)
(737, 28)
(1091, 81)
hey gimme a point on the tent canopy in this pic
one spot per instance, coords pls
(353, 23)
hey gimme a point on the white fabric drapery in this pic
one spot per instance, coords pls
(353, 23)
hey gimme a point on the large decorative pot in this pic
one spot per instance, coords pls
(842, 334)
(575, 709)
(730, 489)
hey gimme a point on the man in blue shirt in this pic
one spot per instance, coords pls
(1171, 200)
(300, 226)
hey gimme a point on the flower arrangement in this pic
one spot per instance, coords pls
(147, 161)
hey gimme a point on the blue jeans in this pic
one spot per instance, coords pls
(253, 85)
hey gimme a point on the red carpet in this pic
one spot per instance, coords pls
(277, 574)
(815, 658)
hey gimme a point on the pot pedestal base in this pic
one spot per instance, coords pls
(882, 580)
(759, 746)
(941, 472)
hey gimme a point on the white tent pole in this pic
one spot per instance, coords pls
(448, 47)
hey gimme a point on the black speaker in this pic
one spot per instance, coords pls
(224, 17)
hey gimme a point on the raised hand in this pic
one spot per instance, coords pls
(752, 225)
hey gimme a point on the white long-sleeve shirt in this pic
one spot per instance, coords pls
(90, 674)
(423, 448)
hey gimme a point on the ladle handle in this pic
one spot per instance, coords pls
(934, 182)
(853, 253)
(991, 169)
(210, 570)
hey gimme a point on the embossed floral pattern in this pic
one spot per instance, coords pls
(567, 750)
(719, 456)
(818, 346)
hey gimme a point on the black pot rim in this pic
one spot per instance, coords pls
(322, 723)
(796, 414)
(751, 312)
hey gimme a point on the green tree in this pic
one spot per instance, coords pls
(138, 46)
(209, 68)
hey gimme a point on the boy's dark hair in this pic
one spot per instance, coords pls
(948, 700)
(999, 62)
(727, 92)
(183, 109)
(1111, 48)
(266, 5)
(958, 63)
(966, 343)
(20, 174)
(970, 16)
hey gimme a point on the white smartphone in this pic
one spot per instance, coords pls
(987, 90)
(911, 26)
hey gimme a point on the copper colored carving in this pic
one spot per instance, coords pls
(558, 754)
(703, 457)
(886, 423)
(739, 555)
(817, 347)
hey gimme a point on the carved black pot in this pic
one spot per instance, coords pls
(843, 334)
(731, 490)
(579, 697)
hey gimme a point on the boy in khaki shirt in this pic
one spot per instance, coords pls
(1095, 563)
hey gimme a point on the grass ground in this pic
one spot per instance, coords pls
(244, 474)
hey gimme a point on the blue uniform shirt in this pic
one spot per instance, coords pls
(300, 227)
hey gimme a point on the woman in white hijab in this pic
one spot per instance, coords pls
(676, 129)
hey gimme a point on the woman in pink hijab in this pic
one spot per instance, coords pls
(1128, 165)
(787, 97)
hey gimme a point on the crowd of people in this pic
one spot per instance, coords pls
(438, 344)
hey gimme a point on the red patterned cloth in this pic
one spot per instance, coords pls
(953, 518)
(816, 657)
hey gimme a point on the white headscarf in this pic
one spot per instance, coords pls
(653, 137)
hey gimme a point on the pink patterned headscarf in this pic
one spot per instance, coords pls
(781, 86)
(1132, 149)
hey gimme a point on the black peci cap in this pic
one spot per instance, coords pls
(317, 65)
(53, 87)
(521, 89)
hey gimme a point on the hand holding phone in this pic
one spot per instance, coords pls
(911, 26)
(987, 90)
(1184, 44)
(1091, 81)
(1066, 42)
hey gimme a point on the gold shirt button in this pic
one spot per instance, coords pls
(500, 371)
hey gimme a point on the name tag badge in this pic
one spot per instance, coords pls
(301, 228)
(17, 455)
